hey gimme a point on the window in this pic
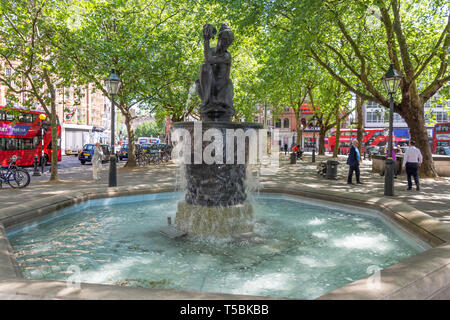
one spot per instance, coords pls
(442, 128)
(7, 144)
(441, 116)
(278, 123)
(286, 123)
(27, 118)
(372, 104)
(374, 117)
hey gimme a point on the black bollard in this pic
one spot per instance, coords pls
(36, 172)
(42, 163)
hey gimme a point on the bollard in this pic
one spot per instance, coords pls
(42, 163)
(36, 172)
(293, 158)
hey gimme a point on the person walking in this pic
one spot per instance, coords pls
(412, 160)
(285, 148)
(97, 159)
(353, 161)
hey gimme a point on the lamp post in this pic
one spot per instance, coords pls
(391, 81)
(314, 119)
(112, 84)
(42, 117)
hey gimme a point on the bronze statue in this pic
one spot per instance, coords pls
(214, 86)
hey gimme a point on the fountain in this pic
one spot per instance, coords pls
(215, 160)
(287, 246)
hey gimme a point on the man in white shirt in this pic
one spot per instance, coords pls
(412, 160)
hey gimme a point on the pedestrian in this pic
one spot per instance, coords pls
(285, 148)
(353, 161)
(97, 159)
(412, 160)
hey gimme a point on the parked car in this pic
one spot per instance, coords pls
(443, 151)
(87, 153)
(72, 152)
(373, 150)
(123, 153)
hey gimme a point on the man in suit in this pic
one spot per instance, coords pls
(353, 161)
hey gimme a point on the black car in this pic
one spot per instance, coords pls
(124, 150)
(87, 153)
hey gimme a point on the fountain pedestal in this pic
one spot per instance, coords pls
(214, 221)
(216, 201)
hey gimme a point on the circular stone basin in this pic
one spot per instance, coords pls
(300, 249)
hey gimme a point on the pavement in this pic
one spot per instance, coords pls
(433, 199)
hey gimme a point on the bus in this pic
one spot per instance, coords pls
(371, 137)
(23, 134)
(441, 136)
(148, 140)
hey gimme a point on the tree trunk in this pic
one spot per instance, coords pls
(360, 126)
(322, 140)
(412, 110)
(131, 162)
(298, 126)
(54, 159)
(338, 135)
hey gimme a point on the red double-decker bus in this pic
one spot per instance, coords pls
(371, 137)
(24, 134)
(441, 136)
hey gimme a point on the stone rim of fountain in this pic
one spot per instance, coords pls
(419, 277)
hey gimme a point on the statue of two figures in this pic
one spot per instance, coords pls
(214, 86)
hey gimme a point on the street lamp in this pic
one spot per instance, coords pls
(112, 84)
(391, 81)
(314, 123)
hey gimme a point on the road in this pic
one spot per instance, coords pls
(70, 168)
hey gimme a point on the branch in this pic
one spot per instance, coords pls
(433, 88)
(433, 53)
(345, 83)
(408, 67)
(390, 37)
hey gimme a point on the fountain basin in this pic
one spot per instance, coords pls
(419, 277)
(298, 250)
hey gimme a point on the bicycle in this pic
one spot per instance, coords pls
(16, 177)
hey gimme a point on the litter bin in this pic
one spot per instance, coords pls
(293, 158)
(332, 169)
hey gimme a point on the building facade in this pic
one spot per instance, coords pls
(286, 124)
(376, 116)
(82, 112)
